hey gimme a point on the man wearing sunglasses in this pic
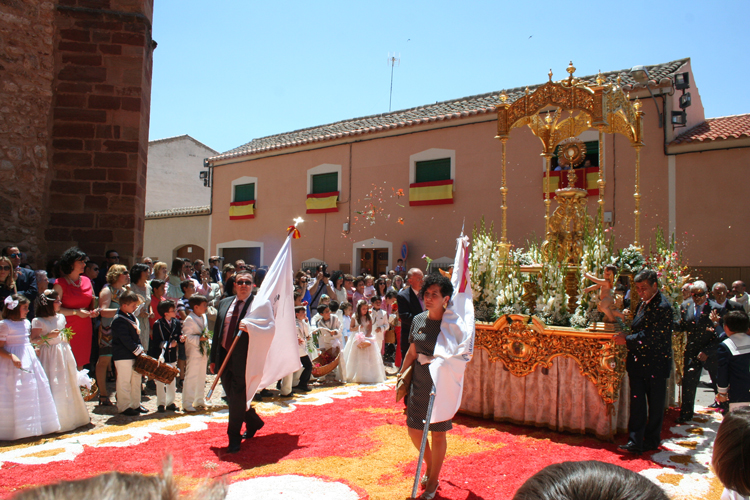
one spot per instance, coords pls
(231, 311)
(701, 337)
(25, 278)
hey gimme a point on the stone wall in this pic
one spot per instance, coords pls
(26, 76)
(75, 90)
(102, 90)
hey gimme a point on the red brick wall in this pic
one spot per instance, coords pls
(100, 119)
(26, 76)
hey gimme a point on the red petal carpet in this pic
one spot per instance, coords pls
(348, 442)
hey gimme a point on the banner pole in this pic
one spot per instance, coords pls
(424, 442)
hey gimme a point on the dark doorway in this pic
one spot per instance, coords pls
(192, 252)
(251, 255)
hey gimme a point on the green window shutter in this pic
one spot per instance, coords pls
(244, 192)
(592, 152)
(325, 183)
(433, 170)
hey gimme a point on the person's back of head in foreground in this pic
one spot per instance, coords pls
(588, 480)
(124, 486)
(731, 458)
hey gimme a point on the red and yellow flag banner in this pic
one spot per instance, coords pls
(431, 193)
(586, 178)
(242, 210)
(322, 203)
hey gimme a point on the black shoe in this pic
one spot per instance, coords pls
(714, 405)
(683, 420)
(160, 409)
(172, 407)
(233, 448)
(286, 395)
(630, 448)
(130, 412)
(141, 409)
(650, 447)
(257, 397)
(302, 388)
(249, 434)
(265, 393)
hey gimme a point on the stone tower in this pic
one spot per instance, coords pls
(75, 88)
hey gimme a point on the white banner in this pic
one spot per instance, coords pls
(455, 344)
(272, 351)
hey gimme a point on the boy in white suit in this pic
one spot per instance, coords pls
(194, 331)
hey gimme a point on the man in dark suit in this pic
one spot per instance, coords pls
(720, 306)
(111, 257)
(409, 305)
(231, 311)
(198, 268)
(701, 337)
(25, 278)
(649, 363)
(214, 270)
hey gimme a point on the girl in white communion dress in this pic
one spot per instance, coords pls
(364, 364)
(58, 361)
(26, 403)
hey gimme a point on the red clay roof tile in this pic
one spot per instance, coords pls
(725, 127)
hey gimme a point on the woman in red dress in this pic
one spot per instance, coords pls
(77, 295)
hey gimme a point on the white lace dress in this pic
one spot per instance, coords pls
(60, 365)
(26, 404)
(364, 365)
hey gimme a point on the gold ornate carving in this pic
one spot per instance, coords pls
(566, 226)
(604, 106)
(679, 342)
(523, 343)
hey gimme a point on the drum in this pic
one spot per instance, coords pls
(151, 368)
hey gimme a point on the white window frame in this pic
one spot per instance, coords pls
(432, 154)
(245, 180)
(325, 168)
(371, 243)
(242, 244)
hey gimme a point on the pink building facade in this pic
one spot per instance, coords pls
(692, 184)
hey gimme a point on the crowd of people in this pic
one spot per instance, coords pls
(83, 318)
(85, 322)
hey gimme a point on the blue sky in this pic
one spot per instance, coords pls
(228, 71)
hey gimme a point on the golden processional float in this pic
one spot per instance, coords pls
(558, 112)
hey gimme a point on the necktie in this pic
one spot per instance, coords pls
(697, 312)
(227, 341)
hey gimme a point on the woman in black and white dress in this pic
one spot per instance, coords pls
(436, 293)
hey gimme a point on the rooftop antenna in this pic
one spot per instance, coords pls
(394, 60)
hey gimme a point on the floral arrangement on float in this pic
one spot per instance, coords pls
(501, 282)
(485, 264)
(670, 269)
(552, 298)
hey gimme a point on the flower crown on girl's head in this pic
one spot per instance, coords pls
(10, 303)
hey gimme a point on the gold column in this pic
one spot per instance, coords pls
(600, 182)
(547, 200)
(504, 192)
(637, 197)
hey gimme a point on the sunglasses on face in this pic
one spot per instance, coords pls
(5, 268)
(243, 283)
(15, 256)
(698, 294)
